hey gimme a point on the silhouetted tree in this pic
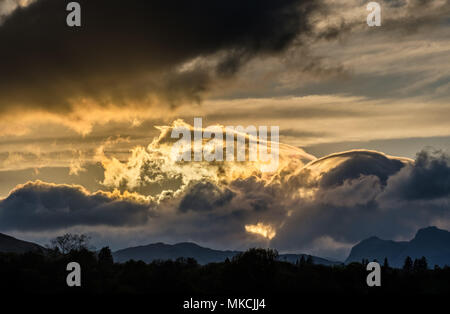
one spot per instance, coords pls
(105, 257)
(408, 265)
(420, 264)
(190, 261)
(256, 255)
(416, 265)
(309, 260)
(423, 263)
(69, 242)
(254, 271)
(302, 261)
(386, 263)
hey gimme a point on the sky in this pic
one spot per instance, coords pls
(86, 115)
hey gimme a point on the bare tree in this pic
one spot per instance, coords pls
(69, 242)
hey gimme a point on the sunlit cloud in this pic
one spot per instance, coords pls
(261, 229)
(155, 164)
(8, 6)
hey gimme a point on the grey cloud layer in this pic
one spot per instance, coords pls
(400, 16)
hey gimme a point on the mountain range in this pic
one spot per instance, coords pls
(158, 251)
(151, 252)
(431, 242)
(162, 251)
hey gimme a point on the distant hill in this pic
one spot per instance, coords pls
(9, 244)
(155, 251)
(431, 242)
(161, 251)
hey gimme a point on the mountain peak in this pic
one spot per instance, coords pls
(431, 242)
(372, 239)
(203, 255)
(430, 229)
(187, 244)
(431, 234)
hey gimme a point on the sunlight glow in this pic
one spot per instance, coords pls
(267, 231)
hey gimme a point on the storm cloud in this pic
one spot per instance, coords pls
(136, 53)
(322, 207)
(428, 179)
(370, 198)
(44, 206)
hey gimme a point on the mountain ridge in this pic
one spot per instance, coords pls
(9, 244)
(203, 255)
(158, 251)
(431, 242)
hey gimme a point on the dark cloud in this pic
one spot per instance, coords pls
(129, 51)
(218, 214)
(45, 206)
(427, 179)
(205, 196)
(360, 163)
(370, 194)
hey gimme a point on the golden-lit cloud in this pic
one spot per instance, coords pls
(8, 6)
(156, 164)
(76, 164)
(261, 229)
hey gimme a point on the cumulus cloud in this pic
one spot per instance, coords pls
(154, 166)
(391, 202)
(205, 196)
(427, 179)
(44, 206)
(322, 206)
